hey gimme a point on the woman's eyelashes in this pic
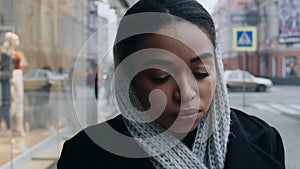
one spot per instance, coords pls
(199, 75)
(166, 77)
(161, 79)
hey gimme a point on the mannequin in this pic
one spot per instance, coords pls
(17, 87)
(17, 93)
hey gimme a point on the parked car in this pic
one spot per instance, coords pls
(41, 79)
(236, 79)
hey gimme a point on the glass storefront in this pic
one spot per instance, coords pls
(34, 108)
(46, 93)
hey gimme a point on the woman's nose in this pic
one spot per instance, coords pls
(186, 90)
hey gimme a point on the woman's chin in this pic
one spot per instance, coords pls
(185, 125)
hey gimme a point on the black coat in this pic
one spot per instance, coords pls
(253, 144)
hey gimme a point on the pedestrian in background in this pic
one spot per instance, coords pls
(181, 74)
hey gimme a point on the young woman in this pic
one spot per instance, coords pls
(173, 102)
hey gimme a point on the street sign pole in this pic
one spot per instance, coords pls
(244, 78)
(244, 40)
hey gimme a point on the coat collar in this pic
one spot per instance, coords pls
(243, 151)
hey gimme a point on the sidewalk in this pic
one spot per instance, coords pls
(40, 149)
(10, 150)
(41, 154)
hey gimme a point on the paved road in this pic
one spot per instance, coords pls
(280, 107)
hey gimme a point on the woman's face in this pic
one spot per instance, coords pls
(190, 87)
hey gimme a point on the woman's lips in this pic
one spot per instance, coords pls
(187, 115)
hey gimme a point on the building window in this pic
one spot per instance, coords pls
(291, 67)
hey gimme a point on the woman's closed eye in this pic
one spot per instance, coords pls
(199, 75)
(161, 78)
(166, 77)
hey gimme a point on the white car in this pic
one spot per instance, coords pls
(41, 79)
(239, 79)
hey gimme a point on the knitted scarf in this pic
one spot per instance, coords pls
(164, 149)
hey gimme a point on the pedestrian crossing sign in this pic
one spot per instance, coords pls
(244, 38)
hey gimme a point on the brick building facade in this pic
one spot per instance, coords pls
(272, 58)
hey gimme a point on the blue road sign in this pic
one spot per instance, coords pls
(244, 38)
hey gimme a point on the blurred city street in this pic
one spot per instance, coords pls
(57, 65)
(280, 107)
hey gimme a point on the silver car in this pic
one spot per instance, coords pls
(239, 79)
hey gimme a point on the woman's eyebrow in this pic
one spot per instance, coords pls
(200, 57)
(158, 62)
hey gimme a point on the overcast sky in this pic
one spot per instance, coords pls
(208, 4)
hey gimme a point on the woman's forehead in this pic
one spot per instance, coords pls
(166, 60)
(180, 37)
(169, 43)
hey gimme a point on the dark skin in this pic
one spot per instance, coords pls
(187, 99)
